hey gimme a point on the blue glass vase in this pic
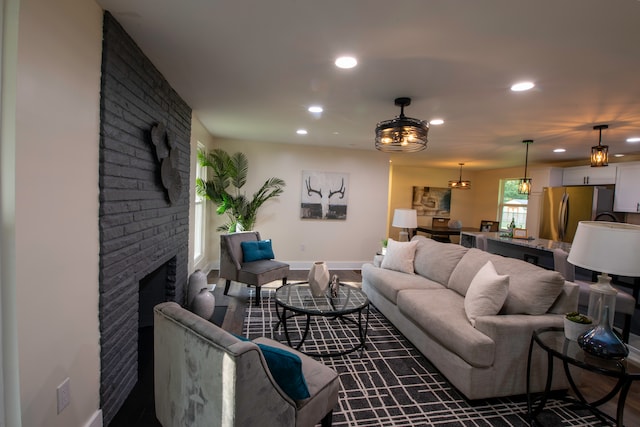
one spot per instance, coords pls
(601, 341)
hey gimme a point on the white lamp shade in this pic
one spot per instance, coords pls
(607, 247)
(405, 218)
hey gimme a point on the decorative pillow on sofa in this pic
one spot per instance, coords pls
(257, 250)
(399, 256)
(486, 294)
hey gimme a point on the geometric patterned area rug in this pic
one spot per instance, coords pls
(393, 384)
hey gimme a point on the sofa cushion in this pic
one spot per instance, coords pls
(436, 260)
(399, 256)
(532, 289)
(389, 282)
(486, 294)
(440, 314)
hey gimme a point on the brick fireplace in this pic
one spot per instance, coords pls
(144, 228)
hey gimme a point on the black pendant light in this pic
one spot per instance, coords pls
(402, 134)
(600, 153)
(524, 185)
(460, 184)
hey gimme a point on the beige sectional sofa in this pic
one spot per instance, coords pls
(488, 359)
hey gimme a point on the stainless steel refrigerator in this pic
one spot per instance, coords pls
(564, 207)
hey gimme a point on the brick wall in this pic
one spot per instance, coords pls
(140, 228)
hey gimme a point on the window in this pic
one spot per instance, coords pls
(200, 213)
(512, 205)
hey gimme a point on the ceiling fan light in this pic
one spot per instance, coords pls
(402, 134)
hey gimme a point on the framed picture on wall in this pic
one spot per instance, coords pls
(324, 195)
(431, 202)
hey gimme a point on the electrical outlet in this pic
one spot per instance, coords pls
(302, 248)
(64, 394)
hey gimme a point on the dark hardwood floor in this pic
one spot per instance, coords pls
(140, 412)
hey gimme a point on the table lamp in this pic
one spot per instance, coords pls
(606, 248)
(405, 219)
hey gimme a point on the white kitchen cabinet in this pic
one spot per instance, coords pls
(586, 175)
(627, 195)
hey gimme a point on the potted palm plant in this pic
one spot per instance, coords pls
(223, 187)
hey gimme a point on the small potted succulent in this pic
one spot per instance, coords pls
(384, 246)
(575, 324)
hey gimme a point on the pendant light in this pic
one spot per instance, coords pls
(462, 185)
(402, 134)
(524, 186)
(600, 153)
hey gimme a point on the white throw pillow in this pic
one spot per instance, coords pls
(399, 256)
(486, 294)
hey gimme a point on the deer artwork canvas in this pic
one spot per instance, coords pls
(324, 195)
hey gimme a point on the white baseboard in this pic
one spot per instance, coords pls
(96, 419)
(333, 265)
(306, 265)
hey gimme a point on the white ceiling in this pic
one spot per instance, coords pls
(250, 68)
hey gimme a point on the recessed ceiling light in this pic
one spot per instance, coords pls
(346, 62)
(618, 155)
(302, 132)
(559, 150)
(315, 109)
(522, 86)
(634, 139)
(436, 122)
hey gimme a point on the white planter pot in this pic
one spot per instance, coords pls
(573, 330)
(319, 278)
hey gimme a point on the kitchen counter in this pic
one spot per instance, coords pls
(535, 251)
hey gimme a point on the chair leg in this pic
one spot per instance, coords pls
(284, 281)
(327, 420)
(226, 286)
(257, 304)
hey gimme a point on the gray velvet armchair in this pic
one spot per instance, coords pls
(254, 273)
(205, 376)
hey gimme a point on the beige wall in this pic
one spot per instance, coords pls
(404, 178)
(343, 244)
(58, 97)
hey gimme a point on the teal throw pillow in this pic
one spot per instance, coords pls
(286, 369)
(257, 250)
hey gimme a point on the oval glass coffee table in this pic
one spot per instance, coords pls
(349, 306)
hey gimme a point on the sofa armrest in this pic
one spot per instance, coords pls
(512, 336)
(504, 328)
(512, 332)
(567, 301)
(377, 260)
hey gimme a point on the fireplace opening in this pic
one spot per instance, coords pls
(152, 291)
